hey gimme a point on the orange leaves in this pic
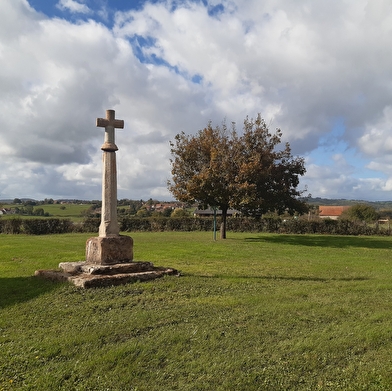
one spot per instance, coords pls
(248, 171)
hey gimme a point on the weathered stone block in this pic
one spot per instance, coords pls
(71, 267)
(118, 268)
(109, 250)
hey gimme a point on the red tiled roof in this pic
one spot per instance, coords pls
(331, 210)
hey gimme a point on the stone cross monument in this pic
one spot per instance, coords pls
(109, 225)
(109, 256)
(109, 247)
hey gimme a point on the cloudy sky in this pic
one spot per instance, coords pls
(319, 70)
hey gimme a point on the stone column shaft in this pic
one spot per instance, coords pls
(109, 224)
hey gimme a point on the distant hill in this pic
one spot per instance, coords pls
(343, 202)
(9, 201)
(316, 201)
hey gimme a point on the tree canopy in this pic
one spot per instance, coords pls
(361, 212)
(221, 168)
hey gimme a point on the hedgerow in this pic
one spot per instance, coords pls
(36, 226)
(160, 224)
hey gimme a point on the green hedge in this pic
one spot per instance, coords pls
(47, 226)
(39, 226)
(36, 226)
(157, 224)
(11, 226)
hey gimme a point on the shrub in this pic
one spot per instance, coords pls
(361, 212)
(90, 224)
(47, 226)
(11, 226)
(39, 226)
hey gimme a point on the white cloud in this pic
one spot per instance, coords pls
(377, 139)
(73, 6)
(265, 54)
(303, 65)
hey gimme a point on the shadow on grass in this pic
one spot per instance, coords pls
(283, 278)
(20, 289)
(325, 241)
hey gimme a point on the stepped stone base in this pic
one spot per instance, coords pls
(88, 275)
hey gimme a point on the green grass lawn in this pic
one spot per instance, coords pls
(253, 312)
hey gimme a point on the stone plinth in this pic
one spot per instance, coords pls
(109, 261)
(109, 250)
(85, 275)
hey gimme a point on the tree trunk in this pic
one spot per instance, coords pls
(223, 224)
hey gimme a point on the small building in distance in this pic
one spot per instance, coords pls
(210, 212)
(331, 212)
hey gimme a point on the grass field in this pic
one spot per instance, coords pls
(253, 312)
(66, 211)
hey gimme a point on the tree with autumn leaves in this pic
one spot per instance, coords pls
(223, 169)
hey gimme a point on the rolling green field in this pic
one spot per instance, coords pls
(73, 212)
(253, 312)
(66, 210)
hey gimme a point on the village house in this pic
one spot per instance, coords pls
(166, 205)
(331, 212)
(210, 212)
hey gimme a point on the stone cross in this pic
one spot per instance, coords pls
(109, 226)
